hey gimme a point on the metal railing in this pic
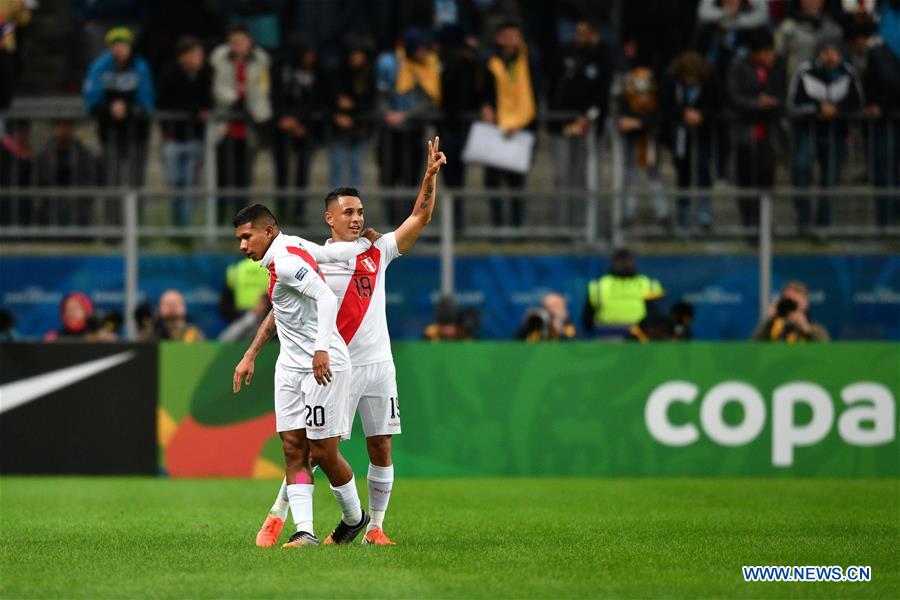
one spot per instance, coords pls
(590, 218)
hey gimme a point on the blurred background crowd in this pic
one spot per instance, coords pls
(689, 109)
(701, 91)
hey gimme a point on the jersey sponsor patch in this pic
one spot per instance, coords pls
(299, 275)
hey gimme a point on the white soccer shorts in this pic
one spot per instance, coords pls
(374, 393)
(301, 403)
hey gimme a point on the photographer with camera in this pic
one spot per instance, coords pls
(549, 321)
(788, 319)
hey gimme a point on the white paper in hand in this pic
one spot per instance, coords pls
(488, 146)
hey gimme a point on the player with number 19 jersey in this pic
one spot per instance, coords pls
(362, 323)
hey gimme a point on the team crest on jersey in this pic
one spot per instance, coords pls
(369, 264)
(299, 275)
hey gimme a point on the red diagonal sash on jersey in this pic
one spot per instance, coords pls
(272, 279)
(306, 256)
(358, 297)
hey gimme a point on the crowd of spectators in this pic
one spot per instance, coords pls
(726, 87)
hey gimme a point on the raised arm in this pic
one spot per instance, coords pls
(243, 373)
(410, 230)
(337, 251)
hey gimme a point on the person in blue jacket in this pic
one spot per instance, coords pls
(119, 93)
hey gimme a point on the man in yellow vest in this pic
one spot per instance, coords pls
(513, 84)
(617, 300)
(244, 283)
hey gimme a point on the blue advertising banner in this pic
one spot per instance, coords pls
(855, 297)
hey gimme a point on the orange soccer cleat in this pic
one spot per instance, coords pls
(377, 537)
(269, 532)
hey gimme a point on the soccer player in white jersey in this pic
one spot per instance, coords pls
(312, 374)
(362, 323)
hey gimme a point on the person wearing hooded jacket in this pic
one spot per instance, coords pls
(824, 91)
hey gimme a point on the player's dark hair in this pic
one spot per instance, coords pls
(255, 214)
(338, 192)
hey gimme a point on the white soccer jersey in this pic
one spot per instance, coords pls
(359, 286)
(293, 267)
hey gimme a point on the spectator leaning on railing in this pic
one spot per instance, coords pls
(690, 102)
(408, 81)
(240, 85)
(119, 92)
(824, 91)
(185, 87)
(462, 86)
(511, 93)
(351, 99)
(756, 89)
(882, 87)
(639, 123)
(298, 98)
(582, 82)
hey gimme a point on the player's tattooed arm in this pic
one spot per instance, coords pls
(243, 372)
(410, 230)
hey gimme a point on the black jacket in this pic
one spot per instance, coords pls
(182, 92)
(359, 86)
(463, 79)
(744, 87)
(583, 78)
(882, 79)
(297, 91)
(675, 98)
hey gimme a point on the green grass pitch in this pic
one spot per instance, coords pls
(472, 538)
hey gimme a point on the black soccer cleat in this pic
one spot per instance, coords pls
(344, 534)
(301, 538)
